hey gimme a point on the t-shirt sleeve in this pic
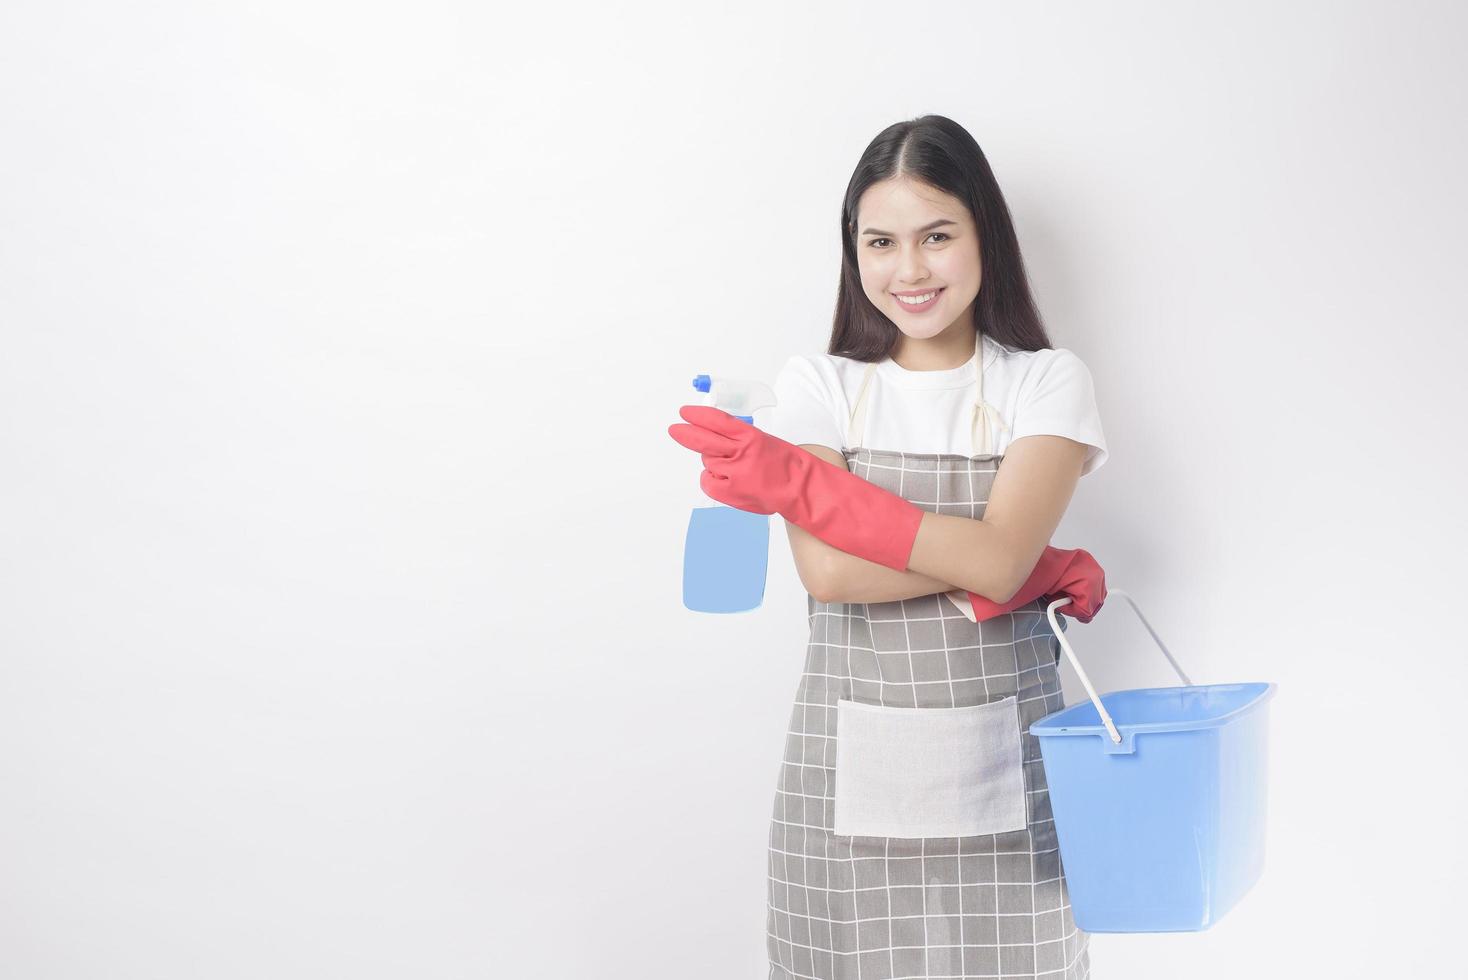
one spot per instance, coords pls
(805, 411)
(1058, 398)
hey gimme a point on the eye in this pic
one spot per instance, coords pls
(874, 241)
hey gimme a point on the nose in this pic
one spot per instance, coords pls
(911, 270)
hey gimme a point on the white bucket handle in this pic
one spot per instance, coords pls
(1059, 635)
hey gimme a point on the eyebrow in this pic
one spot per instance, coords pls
(936, 224)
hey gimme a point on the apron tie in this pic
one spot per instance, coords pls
(985, 415)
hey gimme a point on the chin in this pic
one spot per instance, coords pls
(918, 334)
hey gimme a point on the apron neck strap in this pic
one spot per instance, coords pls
(984, 414)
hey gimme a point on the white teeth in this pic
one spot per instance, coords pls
(917, 300)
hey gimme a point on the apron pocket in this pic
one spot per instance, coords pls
(928, 772)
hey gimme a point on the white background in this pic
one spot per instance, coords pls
(340, 616)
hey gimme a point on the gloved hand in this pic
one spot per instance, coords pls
(1074, 573)
(752, 470)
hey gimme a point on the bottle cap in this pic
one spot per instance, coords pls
(701, 383)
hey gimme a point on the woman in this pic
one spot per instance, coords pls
(912, 833)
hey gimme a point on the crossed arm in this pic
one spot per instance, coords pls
(991, 557)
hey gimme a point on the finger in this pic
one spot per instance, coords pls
(700, 440)
(713, 485)
(715, 419)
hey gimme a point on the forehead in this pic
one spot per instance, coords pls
(905, 205)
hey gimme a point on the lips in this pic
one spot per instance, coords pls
(921, 306)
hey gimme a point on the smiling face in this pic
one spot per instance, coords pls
(914, 239)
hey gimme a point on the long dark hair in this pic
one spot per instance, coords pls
(939, 152)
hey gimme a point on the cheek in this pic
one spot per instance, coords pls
(954, 268)
(968, 265)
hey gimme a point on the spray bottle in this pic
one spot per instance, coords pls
(726, 554)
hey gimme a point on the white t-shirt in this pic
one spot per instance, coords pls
(1043, 392)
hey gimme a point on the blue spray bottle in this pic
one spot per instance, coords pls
(727, 551)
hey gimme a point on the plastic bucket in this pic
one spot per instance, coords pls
(1159, 798)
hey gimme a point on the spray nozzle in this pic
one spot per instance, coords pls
(739, 398)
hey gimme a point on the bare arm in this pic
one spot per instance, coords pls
(995, 556)
(991, 557)
(832, 575)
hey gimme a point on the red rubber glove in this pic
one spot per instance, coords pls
(752, 470)
(1073, 573)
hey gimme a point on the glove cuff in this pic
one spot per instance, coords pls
(853, 514)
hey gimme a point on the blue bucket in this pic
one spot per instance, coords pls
(1159, 798)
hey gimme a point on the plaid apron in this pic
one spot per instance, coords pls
(880, 908)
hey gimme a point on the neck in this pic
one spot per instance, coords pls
(950, 349)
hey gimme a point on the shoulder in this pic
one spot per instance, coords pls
(810, 401)
(1055, 396)
(825, 365)
(1047, 368)
(829, 373)
(1029, 360)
